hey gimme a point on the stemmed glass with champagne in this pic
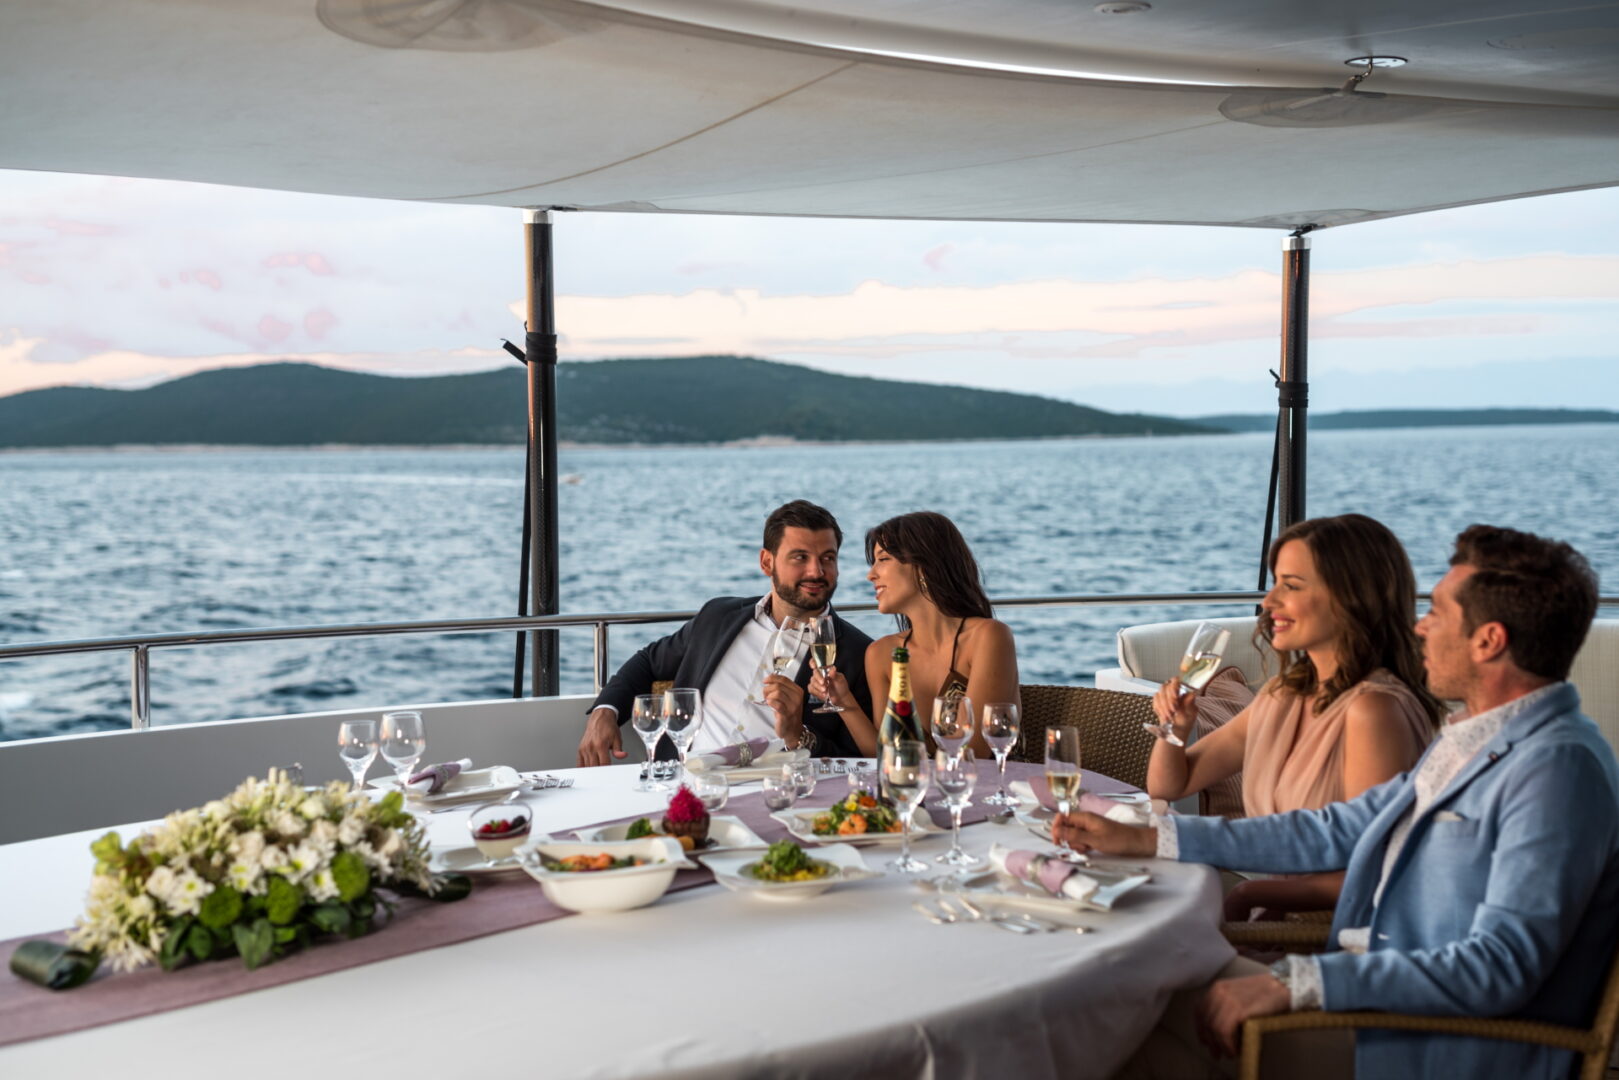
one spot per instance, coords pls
(779, 655)
(1063, 776)
(956, 775)
(404, 741)
(1001, 730)
(1203, 655)
(357, 743)
(648, 720)
(824, 654)
(682, 716)
(904, 776)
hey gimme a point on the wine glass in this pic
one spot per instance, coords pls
(1001, 729)
(952, 728)
(802, 773)
(956, 775)
(780, 792)
(357, 743)
(712, 788)
(404, 741)
(682, 716)
(824, 654)
(779, 655)
(1063, 776)
(647, 718)
(904, 775)
(1203, 655)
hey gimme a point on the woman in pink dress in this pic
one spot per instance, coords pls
(1348, 711)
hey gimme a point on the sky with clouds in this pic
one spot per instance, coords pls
(120, 282)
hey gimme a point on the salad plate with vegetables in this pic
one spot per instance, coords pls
(860, 818)
(786, 871)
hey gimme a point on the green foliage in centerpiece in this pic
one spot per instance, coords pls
(258, 873)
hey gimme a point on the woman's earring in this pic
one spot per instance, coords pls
(922, 582)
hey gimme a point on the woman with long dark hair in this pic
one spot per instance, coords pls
(925, 575)
(1349, 710)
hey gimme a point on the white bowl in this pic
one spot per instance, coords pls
(590, 891)
(728, 871)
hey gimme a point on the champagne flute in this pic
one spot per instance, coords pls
(779, 655)
(404, 741)
(647, 717)
(1001, 729)
(682, 716)
(1203, 655)
(1063, 776)
(357, 743)
(957, 775)
(824, 654)
(905, 781)
(952, 729)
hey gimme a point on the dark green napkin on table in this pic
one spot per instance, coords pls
(53, 965)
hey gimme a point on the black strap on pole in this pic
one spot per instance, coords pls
(1270, 500)
(1287, 464)
(528, 539)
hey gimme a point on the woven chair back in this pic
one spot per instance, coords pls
(1111, 738)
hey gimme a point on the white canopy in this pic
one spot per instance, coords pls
(1222, 112)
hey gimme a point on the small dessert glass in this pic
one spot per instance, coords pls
(499, 829)
(780, 792)
(711, 787)
(802, 774)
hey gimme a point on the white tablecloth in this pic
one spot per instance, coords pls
(705, 982)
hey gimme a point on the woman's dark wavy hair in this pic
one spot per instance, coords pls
(947, 573)
(1373, 592)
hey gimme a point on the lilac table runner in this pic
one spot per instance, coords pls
(497, 903)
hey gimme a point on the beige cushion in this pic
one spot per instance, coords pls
(1153, 650)
(1596, 676)
(1224, 697)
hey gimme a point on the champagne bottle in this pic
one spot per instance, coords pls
(899, 716)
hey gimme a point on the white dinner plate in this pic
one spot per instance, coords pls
(468, 860)
(727, 834)
(801, 823)
(473, 785)
(729, 869)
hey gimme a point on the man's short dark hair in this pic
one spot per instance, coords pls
(1542, 591)
(800, 514)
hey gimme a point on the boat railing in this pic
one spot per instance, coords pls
(140, 646)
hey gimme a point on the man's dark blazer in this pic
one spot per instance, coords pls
(691, 654)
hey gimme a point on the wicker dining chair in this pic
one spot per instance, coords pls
(1305, 932)
(1594, 1043)
(1114, 742)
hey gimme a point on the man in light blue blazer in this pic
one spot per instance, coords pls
(1485, 881)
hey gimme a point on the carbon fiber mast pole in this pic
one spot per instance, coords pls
(1293, 388)
(540, 349)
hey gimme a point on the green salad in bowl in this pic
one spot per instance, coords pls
(787, 862)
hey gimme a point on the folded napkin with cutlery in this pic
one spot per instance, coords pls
(1053, 875)
(1112, 809)
(754, 752)
(431, 780)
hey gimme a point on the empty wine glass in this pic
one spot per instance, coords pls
(904, 773)
(957, 775)
(647, 718)
(779, 655)
(358, 745)
(1001, 730)
(1203, 655)
(802, 772)
(824, 654)
(404, 741)
(682, 716)
(952, 729)
(1064, 777)
(780, 792)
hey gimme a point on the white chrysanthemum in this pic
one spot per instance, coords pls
(287, 824)
(160, 883)
(302, 861)
(351, 831)
(247, 846)
(375, 861)
(219, 808)
(273, 858)
(141, 906)
(324, 834)
(186, 896)
(322, 886)
(246, 876)
(312, 807)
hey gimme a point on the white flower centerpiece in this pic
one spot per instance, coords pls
(258, 873)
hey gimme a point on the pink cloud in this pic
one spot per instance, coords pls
(208, 278)
(34, 279)
(272, 329)
(313, 261)
(935, 258)
(317, 322)
(79, 228)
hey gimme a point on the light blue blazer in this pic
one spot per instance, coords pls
(1504, 900)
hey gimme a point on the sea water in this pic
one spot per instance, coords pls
(106, 543)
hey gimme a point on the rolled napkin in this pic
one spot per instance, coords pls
(431, 780)
(1112, 809)
(752, 752)
(1053, 875)
(53, 965)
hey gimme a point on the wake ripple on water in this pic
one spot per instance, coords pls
(264, 538)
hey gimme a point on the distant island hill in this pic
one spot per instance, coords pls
(681, 401)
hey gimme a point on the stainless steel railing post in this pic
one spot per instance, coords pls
(601, 656)
(140, 688)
